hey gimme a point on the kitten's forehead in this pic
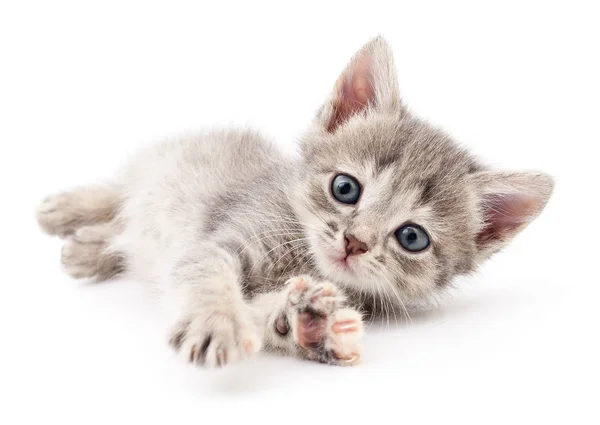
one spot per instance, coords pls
(382, 193)
(412, 147)
(404, 152)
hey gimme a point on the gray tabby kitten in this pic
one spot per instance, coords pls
(259, 251)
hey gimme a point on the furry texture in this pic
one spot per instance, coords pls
(253, 246)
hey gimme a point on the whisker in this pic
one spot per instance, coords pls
(300, 246)
(273, 249)
(267, 235)
(392, 307)
(271, 218)
(397, 295)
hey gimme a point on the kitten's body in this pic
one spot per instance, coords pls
(253, 245)
(226, 187)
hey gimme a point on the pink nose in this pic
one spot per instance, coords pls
(354, 246)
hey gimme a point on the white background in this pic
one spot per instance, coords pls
(82, 84)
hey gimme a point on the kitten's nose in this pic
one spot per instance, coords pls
(354, 246)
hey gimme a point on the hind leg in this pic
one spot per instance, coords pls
(62, 214)
(88, 252)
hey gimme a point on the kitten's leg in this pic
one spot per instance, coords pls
(311, 319)
(88, 252)
(215, 326)
(63, 213)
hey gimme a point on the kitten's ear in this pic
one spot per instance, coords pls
(508, 203)
(369, 81)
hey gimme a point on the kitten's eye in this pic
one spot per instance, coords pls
(413, 238)
(345, 189)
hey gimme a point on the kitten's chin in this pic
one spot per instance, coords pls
(345, 271)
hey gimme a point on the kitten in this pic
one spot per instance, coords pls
(260, 251)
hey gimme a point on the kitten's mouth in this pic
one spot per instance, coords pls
(344, 262)
(339, 261)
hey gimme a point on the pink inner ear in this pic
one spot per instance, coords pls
(354, 93)
(504, 215)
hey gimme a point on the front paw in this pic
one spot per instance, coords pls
(214, 341)
(324, 329)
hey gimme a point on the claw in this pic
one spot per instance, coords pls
(349, 360)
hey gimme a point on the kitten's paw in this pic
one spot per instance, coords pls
(85, 255)
(56, 215)
(215, 341)
(322, 326)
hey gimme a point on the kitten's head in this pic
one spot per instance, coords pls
(392, 204)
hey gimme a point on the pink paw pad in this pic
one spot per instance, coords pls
(345, 326)
(310, 330)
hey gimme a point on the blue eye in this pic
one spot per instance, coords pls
(345, 189)
(413, 238)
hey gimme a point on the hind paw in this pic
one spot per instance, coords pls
(85, 255)
(56, 215)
